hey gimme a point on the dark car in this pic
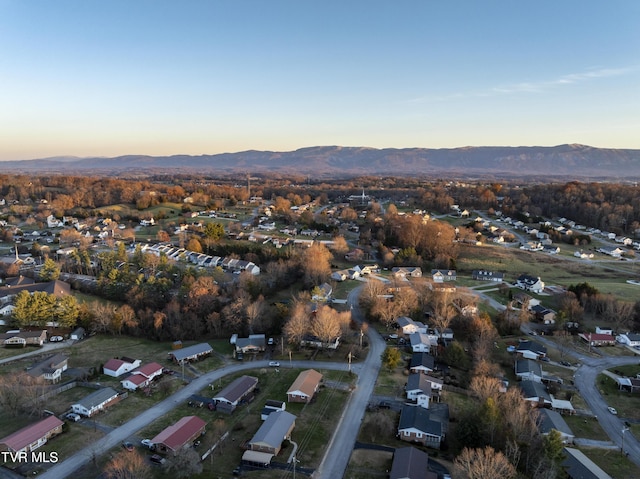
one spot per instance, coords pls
(157, 459)
(128, 446)
(384, 405)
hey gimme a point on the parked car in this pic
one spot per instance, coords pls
(545, 359)
(384, 405)
(612, 410)
(157, 459)
(72, 416)
(274, 364)
(56, 339)
(270, 342)
(565, 363)
(128, 446)
(147, 443)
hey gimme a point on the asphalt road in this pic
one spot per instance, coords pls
(585, 381)
(338, 452)
(117, 436)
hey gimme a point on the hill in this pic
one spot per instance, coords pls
(572, 161)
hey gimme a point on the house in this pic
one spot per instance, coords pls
(628, 384)
(562, 406)
(96, 401)
(407, 272)
(442, 275)
(191, 353)
(526, 369)
(600, 330)
(482, 275)
(420, 343)
(179, 435)
(305, 386)
(549, 420)
(311, 341)
(56, 288)
(31, 437)
(273, 431)
(271, 406)
(142, 376)
(322, 292)
(23, 338)
(117, 367)
(339, 275)
(544, 315)
(530, 283)
(630, 339)
(614, 252)
(255, 343)
(530, 350)
(418, 389)
(594, 339)
(237, 391)
(410, 463)
(77, 333)
(522, 299)
(578, 466)
(50, 369)
(409, 326)
(417, 426)
(535, 392)
(421, 363)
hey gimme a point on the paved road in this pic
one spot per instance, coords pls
(585, 381)
(338, 452)
(117, 436)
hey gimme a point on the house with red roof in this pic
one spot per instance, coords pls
(117, 367)
(142, 376)
(32, 437)
(179, 435)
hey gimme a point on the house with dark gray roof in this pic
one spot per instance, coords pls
(549, 420)
(96, 402)
(230, 397)
(417, 426)
(410, 463)
(191, 353)
(51, 368)
(418, 389)
(528, 369)
(421, 363)
(535, 393)
(273, 431)
(531, 350)
(578, 466)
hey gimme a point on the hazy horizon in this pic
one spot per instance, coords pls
(160, 78)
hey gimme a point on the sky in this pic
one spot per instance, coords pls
(108, 78)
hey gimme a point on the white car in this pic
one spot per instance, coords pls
(274, 364)
(72, 416)
(147, 442)
(612, 410)
(56, 339)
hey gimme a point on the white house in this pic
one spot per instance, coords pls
(630, 339)
(142, 376)
(420, 343)
(96, 402)
(530, 283)
(117, 367)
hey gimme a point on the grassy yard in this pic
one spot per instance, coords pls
(627, 404)
(613, 462)
(585, 427)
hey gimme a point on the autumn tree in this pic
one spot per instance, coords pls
(482, 464)
(186, 464)
(327, 323)
(391, 358)
(316, 264)
(298, 323)
(49, 271)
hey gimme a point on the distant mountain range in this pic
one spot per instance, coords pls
(564, 161)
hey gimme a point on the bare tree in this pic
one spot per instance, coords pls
(482, 464)
(298, 324)
(327, 324)
(254, 313)
(186, 464)
(127, 465)
(485, 387)
(316, 263)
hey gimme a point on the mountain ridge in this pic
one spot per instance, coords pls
(573, 160)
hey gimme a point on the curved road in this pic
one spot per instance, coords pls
(585, 381)
(338, 452)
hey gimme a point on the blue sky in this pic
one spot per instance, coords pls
(107, 78)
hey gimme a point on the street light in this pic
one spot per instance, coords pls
(624, 429)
